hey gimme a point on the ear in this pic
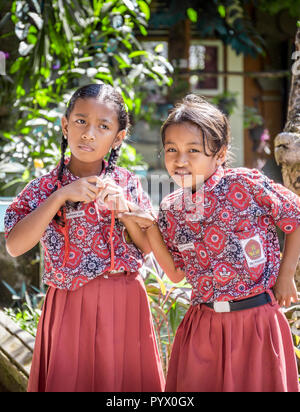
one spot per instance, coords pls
(119, 139)
(64, 125)
(221, 156)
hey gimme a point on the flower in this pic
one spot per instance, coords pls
(265, 136)
(38, 163)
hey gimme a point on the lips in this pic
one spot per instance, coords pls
(182, 172)
(183, 177)
(85, 148)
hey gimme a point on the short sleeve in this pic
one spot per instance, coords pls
(139, 195)
(22, 205)
(278, 201)
(28, 200)
(163, 223)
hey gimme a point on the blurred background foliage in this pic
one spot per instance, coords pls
(62, 44)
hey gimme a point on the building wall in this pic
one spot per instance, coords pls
(235, 84)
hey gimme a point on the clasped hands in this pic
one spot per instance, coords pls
(105, 191)
(113, 197)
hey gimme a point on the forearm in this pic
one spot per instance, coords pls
(291, 253)
(28, 232)
(136, 234)
(162, 254)
(157, 245)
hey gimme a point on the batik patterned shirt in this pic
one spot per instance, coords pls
(224, 236)
(88, 254)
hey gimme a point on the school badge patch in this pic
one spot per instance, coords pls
(254, 251)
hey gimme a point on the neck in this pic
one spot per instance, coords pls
(81, 169)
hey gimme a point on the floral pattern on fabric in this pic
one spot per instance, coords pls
(231, 249)
(89, 253)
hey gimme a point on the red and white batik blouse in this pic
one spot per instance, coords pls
(82, 250)
(224, 236)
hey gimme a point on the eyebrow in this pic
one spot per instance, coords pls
(86, 115)
(188, 144)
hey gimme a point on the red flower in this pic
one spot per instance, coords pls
(238, 196)
(91, 214)
(74, 258)
(59, 277)
(287, 225)
(215, 239)
(225, 215)
(202, 255)
(243, 226)
(81, 233)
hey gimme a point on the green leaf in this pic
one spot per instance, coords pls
(12, 290)
(222, 11)
(26, 175)
(145, 8)
(32, 39)
(138, 53)
(16, 65)
(192, 15)
(143, 30)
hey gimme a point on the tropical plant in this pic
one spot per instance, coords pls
(61, 45)
(226, 101)
(27, 307)
(252, 117)
(228, 20)
(168, 304)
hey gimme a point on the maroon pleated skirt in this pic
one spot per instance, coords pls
(246, 351)
(99, 338)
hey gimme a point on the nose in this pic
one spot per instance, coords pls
(89, 134)
(181, 160)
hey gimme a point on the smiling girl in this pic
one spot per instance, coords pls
(95, 333)
(234, 337)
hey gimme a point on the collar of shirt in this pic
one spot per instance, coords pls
(69, 177)
(211, 182)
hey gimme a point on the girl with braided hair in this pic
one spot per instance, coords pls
(95, 333)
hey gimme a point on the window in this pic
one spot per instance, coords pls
(206, 56)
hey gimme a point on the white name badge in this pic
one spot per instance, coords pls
(254, 251)
(77, 213)
(185, 246)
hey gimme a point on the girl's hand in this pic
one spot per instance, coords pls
(83, 190)
(144, 219)
(112, 196)
(285, 291)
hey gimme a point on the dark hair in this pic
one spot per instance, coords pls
(105, 93)
(207, 117)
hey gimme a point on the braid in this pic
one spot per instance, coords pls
(112, 161)
(63, 146)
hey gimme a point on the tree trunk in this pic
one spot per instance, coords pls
(287, 143)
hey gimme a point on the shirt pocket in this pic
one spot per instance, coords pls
(252, 244)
